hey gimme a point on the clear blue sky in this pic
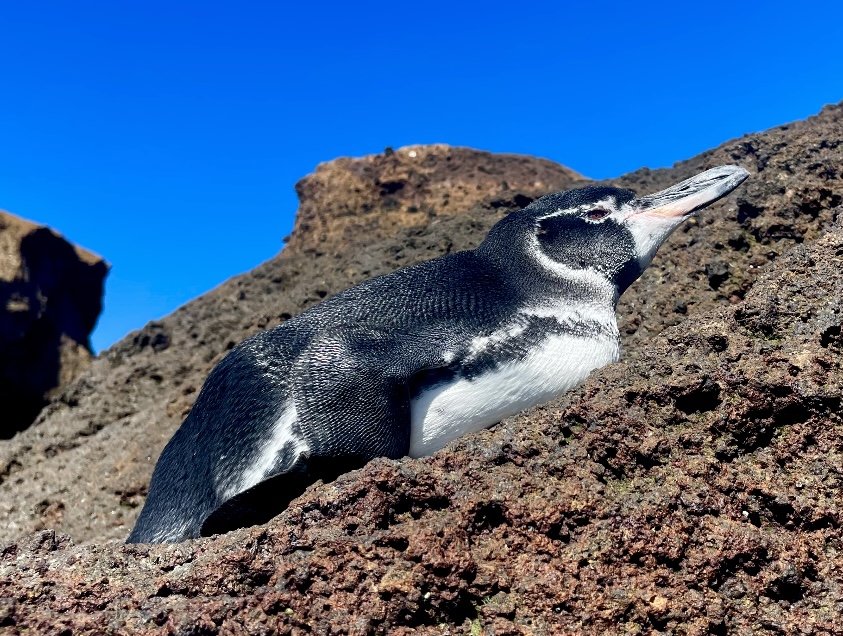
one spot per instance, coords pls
(167, 136)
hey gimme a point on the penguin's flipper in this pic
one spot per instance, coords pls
(352, 396)
(255, 505)
(268, 498)
(352, 399)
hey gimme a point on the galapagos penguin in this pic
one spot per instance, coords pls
(406, 362)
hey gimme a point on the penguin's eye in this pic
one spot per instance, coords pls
(597, 214)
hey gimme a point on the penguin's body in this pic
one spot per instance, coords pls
(404, 363)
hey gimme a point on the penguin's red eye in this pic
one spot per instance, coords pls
(596, 214)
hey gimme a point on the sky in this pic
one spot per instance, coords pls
(168, 136)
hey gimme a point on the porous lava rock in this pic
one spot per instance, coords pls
(693, 488)
(350, 201)
(50, 299)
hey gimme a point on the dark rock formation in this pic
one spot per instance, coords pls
(50, 299)
(693, 488)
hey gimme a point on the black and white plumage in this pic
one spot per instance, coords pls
(403, 363)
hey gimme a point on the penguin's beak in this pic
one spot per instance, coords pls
(651, 219)
(686, 197)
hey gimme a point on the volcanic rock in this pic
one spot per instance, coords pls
(348, 201)
(50, 299)
(693, 488)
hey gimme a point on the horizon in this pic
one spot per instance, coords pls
(168, 138)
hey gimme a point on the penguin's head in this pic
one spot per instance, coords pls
(603, 236)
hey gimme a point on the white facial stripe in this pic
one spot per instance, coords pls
(604, 204)
(559, 212)
(601, 287)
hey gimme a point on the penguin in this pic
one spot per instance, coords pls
(402, 364)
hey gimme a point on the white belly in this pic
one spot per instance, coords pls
(453, 410)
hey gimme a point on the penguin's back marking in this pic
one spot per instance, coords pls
(276, 454)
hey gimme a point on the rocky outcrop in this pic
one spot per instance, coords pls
(99, 439)
(696, 490)
(50, 299)
(357, 201)
(692, 488)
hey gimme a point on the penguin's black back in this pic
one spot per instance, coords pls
(438, 302)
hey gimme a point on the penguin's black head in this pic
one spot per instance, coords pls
(605, 237)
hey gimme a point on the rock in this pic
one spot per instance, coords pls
(50, 299)
(357, 201)
(691, 488)
(606, 512)
(98, 440)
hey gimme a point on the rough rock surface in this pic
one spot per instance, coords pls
(692, 489)
(352, 201)
(695, 491)
(50, 299)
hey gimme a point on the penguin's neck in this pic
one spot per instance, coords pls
(540, 277)
(586, 287)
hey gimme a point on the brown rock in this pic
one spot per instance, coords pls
(553, 522)
(99, 439)
(692, 488)
(357, 201)
(50, 299)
